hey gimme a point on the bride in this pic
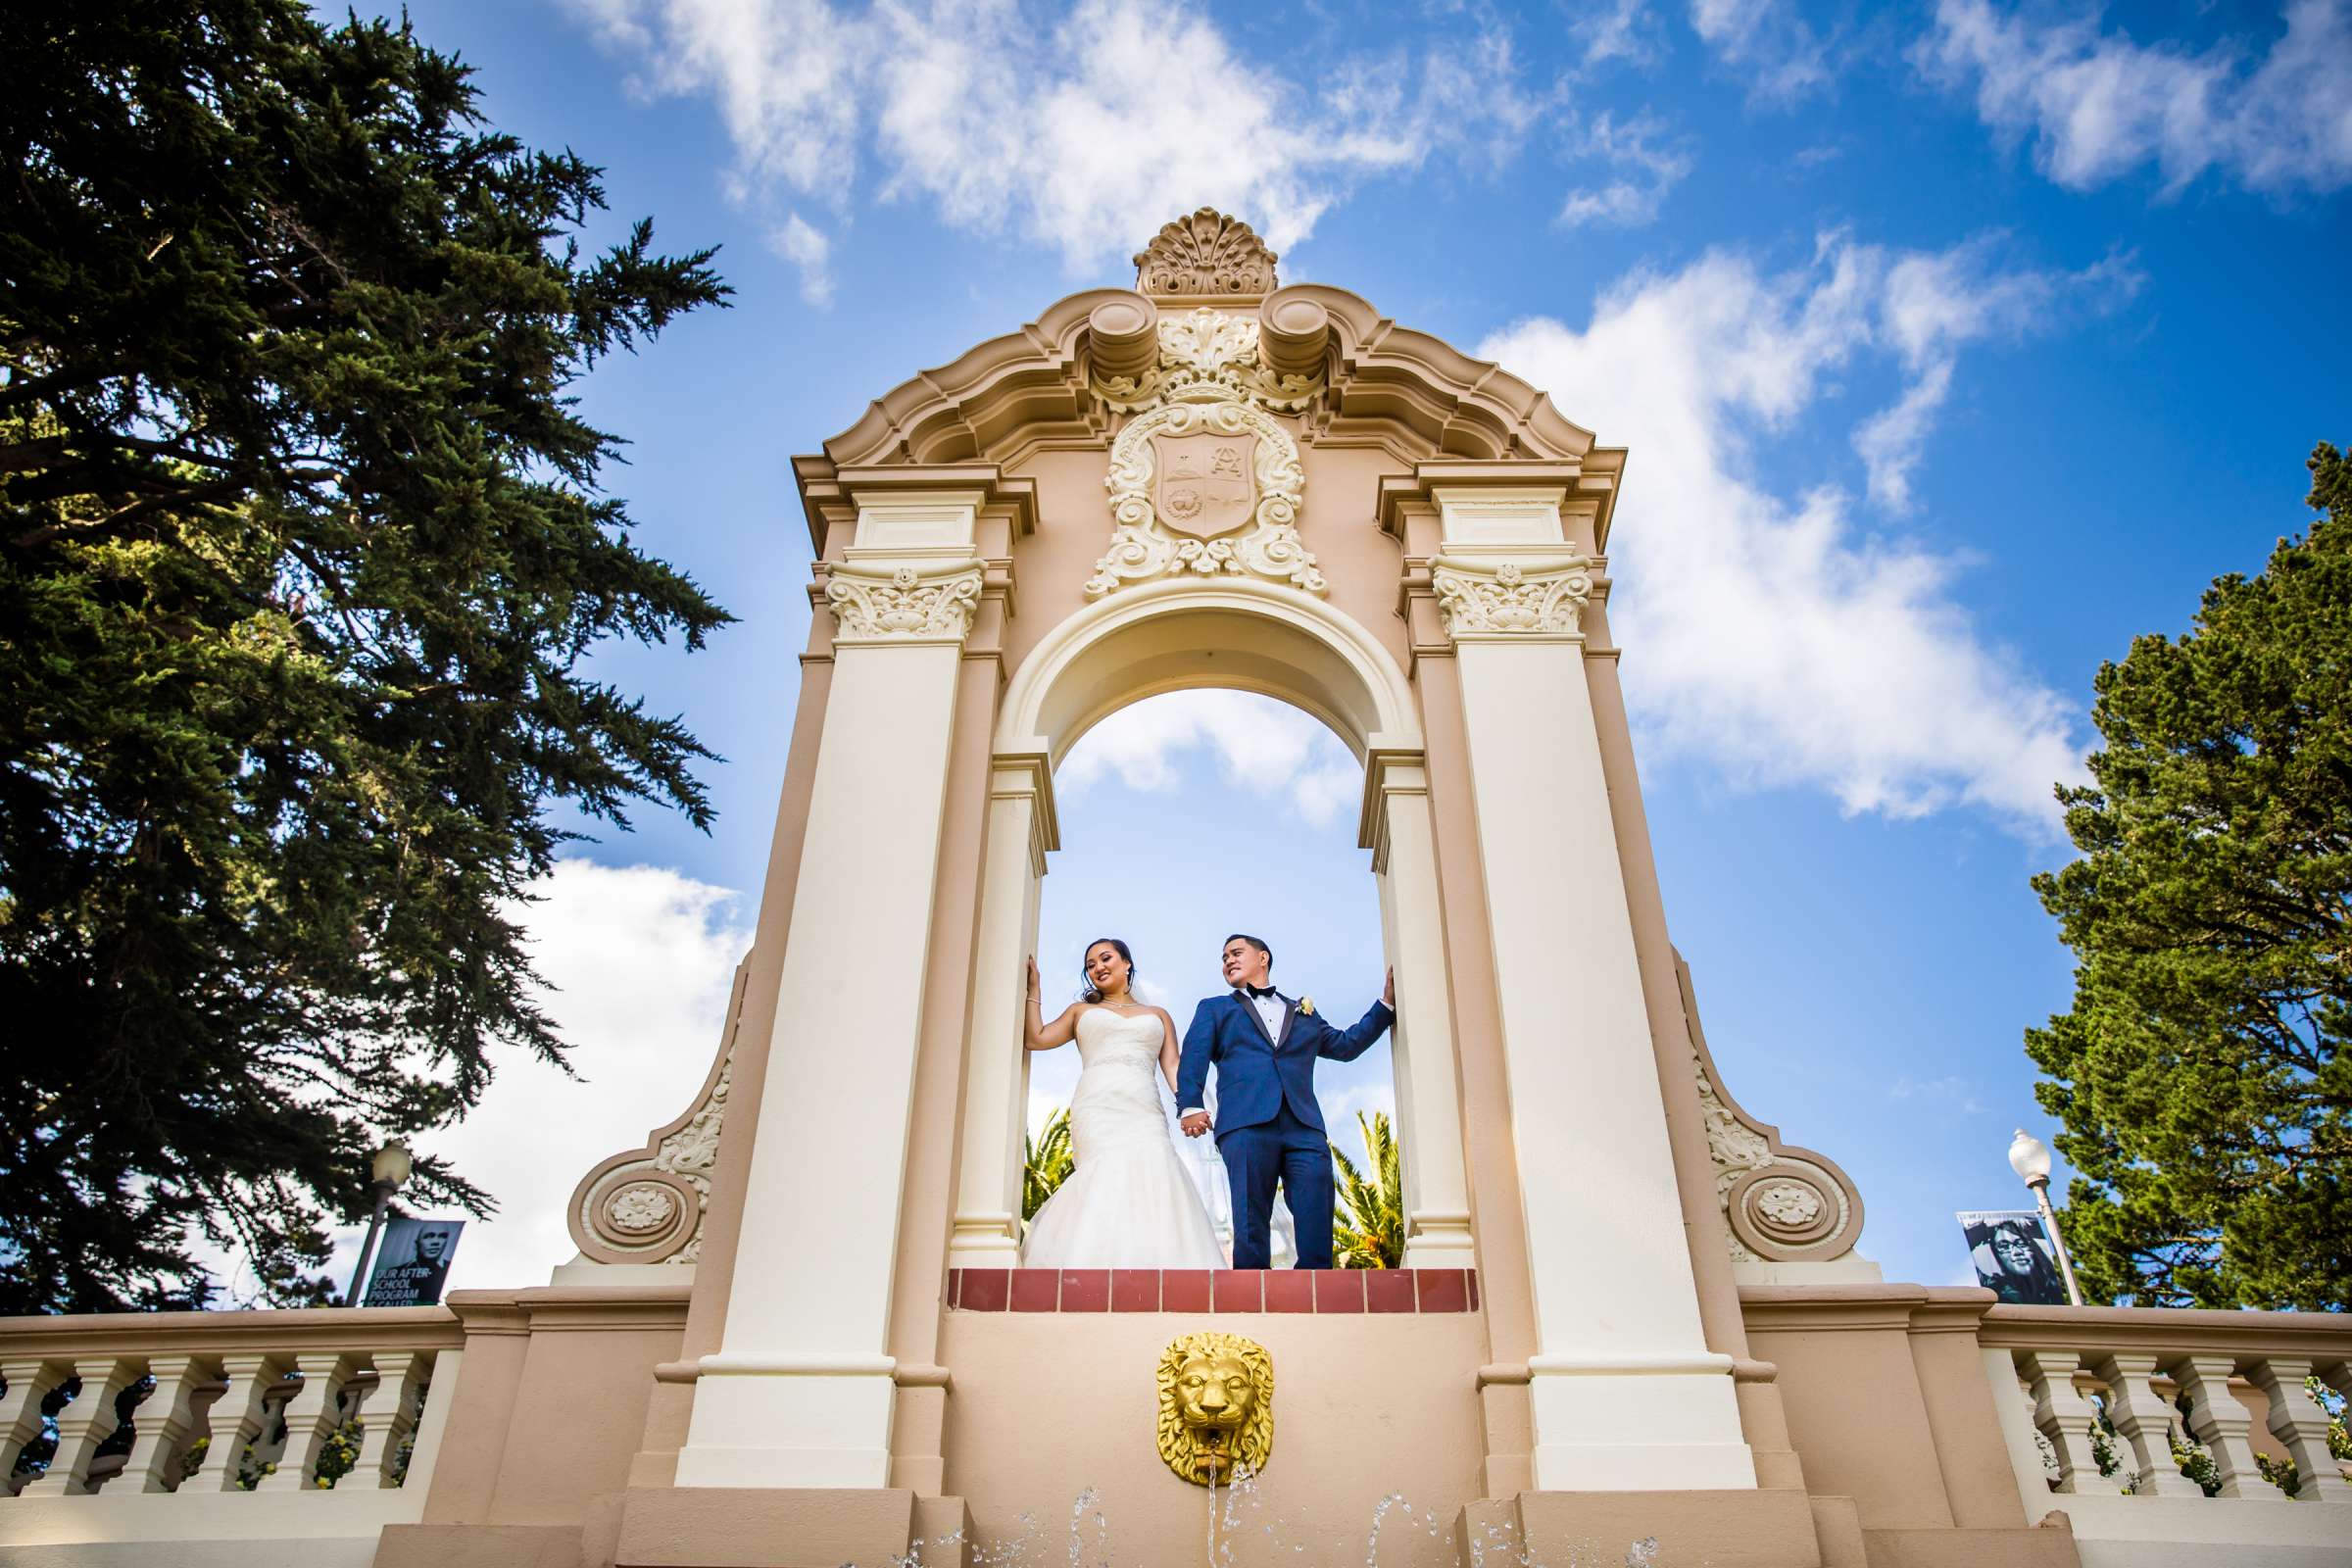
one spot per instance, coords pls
(1128, 1202)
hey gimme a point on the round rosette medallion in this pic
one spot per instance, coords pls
(1785, 1211)
(639, 1215)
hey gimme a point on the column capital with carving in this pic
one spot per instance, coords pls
(903, 598)
(1508, 593)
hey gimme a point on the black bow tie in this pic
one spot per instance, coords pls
(1262, 991)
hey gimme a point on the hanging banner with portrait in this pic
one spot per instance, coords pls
(412, 1262)
(2013, 1256)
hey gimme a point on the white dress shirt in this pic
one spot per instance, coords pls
(1270, 1009)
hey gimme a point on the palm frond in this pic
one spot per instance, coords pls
(1367, 1227)
(1046, 1162)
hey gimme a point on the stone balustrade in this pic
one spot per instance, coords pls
(218, 1431)
(2159, 1426)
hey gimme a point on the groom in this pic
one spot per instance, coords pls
(1269, 1128)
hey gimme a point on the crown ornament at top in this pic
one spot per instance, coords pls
(1206, 252)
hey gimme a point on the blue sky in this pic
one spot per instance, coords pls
(1955, 344)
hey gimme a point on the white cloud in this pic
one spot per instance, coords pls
(1264, 746)
(1620, 29)
(2097, 105)
(1764, 632)
(1341, 1106)
(1004, 115)
(639, 961)
(1936, 301)
(1643, 145)
(807, 248)
(1891, 440)
(1769, 41)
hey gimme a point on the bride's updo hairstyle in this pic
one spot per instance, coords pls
(1086, 983)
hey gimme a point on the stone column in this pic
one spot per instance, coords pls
(1624, 1393)
(1428, 1114)
(988, 1187)
(800, 1393)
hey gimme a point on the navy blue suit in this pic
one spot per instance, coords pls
(1269, 1127)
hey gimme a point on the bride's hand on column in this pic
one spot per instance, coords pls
(1036, 1033)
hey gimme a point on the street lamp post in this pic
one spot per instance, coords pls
(2030, 1157)
(388, 1171)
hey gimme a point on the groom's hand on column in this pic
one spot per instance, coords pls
(1195, 1124)
(1387, 992)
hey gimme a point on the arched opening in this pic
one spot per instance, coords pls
(1235, 636)
(1186, 817)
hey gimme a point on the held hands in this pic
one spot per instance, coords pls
(1195, 1124)
(1387, 992)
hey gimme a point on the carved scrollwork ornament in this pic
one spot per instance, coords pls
(1206, 354)
(647, 1207)
(1203, 480)
(903, 604)
(1476, 599)
(1205, 252)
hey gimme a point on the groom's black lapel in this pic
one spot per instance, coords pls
(1240, 1000)
(1290, 1016)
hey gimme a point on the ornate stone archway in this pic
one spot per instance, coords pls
(1216, 482)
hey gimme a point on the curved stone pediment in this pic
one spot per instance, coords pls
(1386, 383)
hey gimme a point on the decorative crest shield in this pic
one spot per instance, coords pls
(1205, 484)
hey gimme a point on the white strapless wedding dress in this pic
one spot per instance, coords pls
(1128, 1202)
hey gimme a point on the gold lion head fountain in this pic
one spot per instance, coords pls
(1217, 1408)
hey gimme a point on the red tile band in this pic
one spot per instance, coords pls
(1339, 1289)
(1239, 1290)
(1036, 1290)
(1442, 1290)
(1389, 1289)
(1225, 1289)
(1291, 1290)
(1086, 1290)
(1184, 1289)
(1137, 1289)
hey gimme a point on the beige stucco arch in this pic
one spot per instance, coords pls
(1239, 634)
(1175, 634)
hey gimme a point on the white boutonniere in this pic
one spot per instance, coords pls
(1307, 1006)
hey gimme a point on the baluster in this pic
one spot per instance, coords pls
(2145, 1419)
(310, 1419)
(2223, 1425)
(250, 1379)
(360, 1394)
(2301, 1427)
(2064, 1417)
(163, 1423)
(399, 1375)
(83, 1425)
(29, 1379)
